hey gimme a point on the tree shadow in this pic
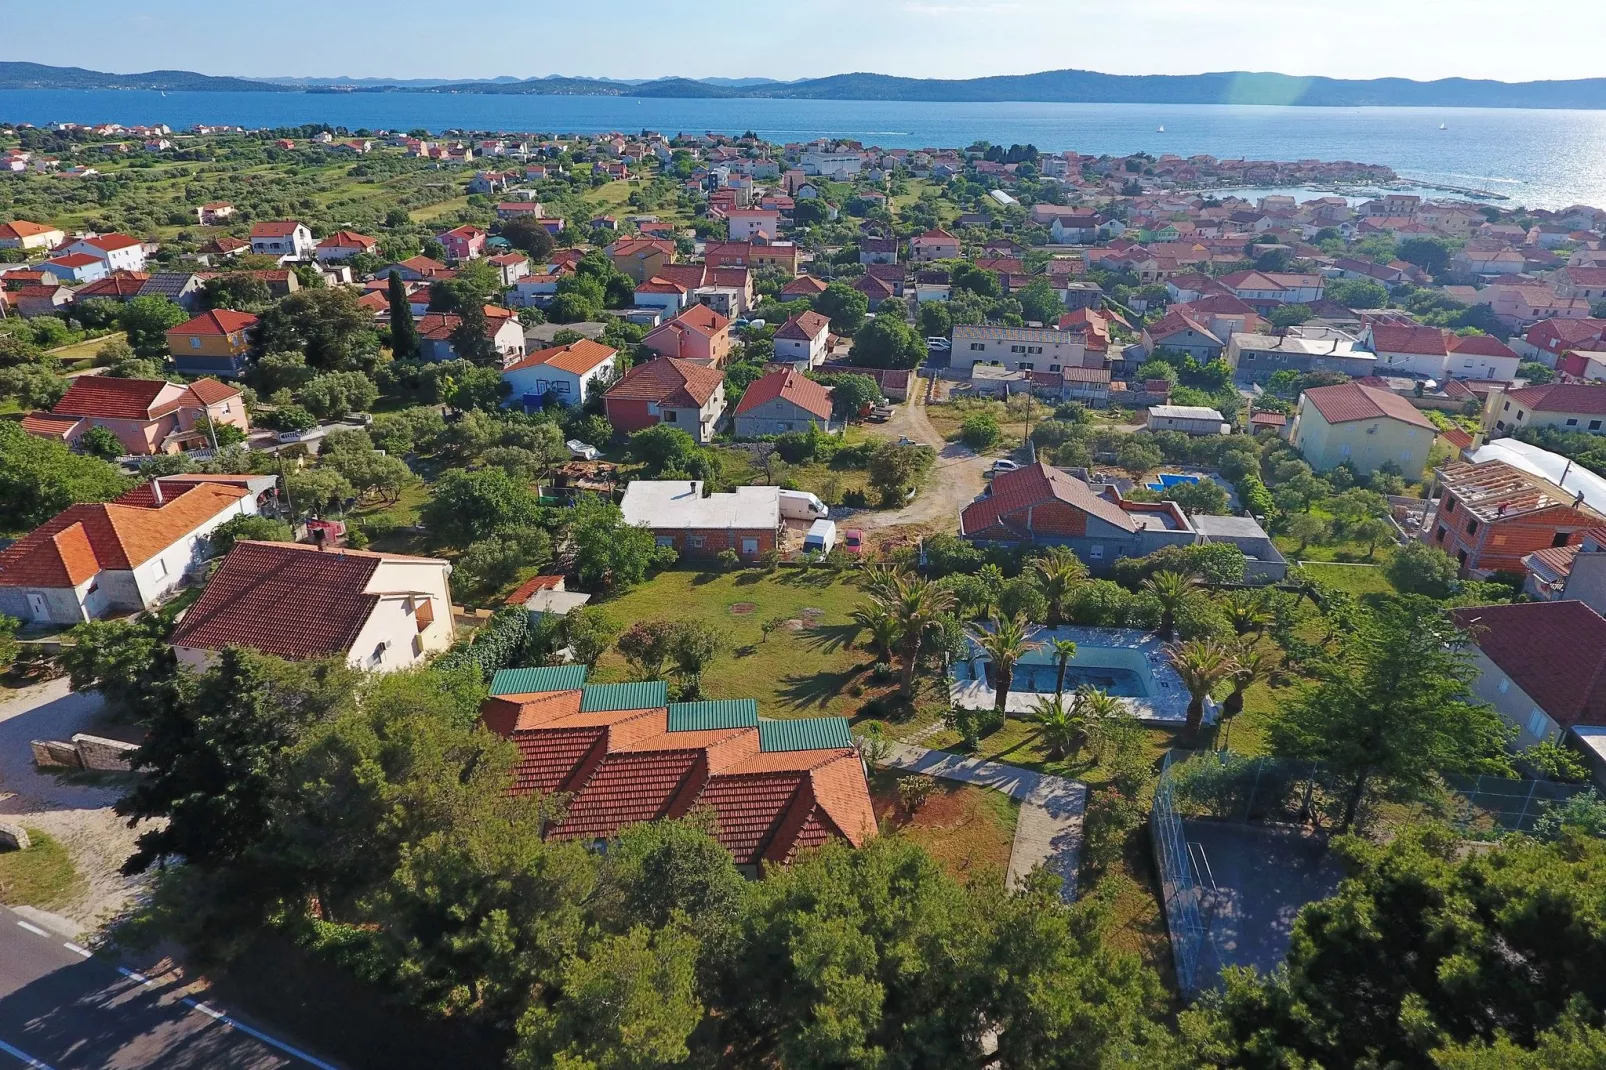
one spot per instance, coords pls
(748, 578)
(829, 638)
(814, 577)
(815, 689)
(705, 577)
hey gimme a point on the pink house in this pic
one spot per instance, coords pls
(148, 416)
(463, 243)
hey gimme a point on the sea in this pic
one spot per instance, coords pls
(1532, 158)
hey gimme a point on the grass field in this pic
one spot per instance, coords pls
(1359, 579)
(969, 830)
(808, 667)
(42, 876)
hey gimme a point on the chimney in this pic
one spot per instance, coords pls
(156, 490)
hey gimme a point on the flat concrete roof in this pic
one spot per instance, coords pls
(1228, 527)
(676, 504)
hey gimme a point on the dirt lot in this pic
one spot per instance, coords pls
(73, 808)
(954, 483)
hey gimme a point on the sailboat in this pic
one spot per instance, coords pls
(1161, 130)
(1443, 127)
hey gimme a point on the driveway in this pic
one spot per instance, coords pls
(75, 811)
(953, 484)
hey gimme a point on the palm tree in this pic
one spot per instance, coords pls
(1248, 611)
(881, 582)
(991, 584)
(1254, 665)
(1005, 644)
(1098, 709)
(1202, 664)
(1060, 572)
(883, 628)
(917, 605)
(1064, 729)
(1064, 650)
(1170, 589)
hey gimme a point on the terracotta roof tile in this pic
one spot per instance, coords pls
(296, 602)
(1588, 399)
(789, 385)
(669, 382)
(115, 399)
(577, 358)
(625, 790)
(1554, 651)
(804, 327)
(217, 321)
(1036, 485)
(1348, 402)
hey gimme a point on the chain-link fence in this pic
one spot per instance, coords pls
(1499, 805)
(1180, 893)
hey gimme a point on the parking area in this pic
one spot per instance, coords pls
(1253, 880)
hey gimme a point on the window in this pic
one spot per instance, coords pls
(670, 416)
(1472, 527)
(1053, 367)
(1538, 723)
(1017, 349)
(161, 568)
(1573, 422)
(195, 343)
(1519, 414)
(1440, 536)
(978, 347)
(1096, 551)
(665, 540)
(1560, 538)
(1034, 349)
(1594, 425)
(1024, 365)
(1449, 505)
(749, 546)
(1506, 407)
(1505, 685)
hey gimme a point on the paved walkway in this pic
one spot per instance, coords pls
(1049, 830)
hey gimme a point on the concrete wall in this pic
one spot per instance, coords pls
(1510, 701)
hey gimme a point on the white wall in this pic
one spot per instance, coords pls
(162, 573)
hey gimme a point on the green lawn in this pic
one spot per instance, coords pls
(1358, 580)
(807, 668)
(42, 876)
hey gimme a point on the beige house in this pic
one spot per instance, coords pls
(375, 611)
(1361, 425)
(1564, 406)
(21, 234)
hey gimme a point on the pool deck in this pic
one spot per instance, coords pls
(1167, 705)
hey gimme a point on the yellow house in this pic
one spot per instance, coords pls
(213, 343)
(1361, 425)
(1564, 406)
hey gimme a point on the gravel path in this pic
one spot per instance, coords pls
(1049, 830)
(77, 814)
(954, 483)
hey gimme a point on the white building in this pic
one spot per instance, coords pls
(803, 340)
(1189, 419)
(120, 251)
(1016, 348)
(283, 238)
(571, 373)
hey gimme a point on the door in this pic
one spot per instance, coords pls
(36, 606)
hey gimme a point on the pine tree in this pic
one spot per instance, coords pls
(403, 336)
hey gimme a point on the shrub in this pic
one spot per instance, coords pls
(728, 558)
(1417, 568)
(914, 790)
(980, 431)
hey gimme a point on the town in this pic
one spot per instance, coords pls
(655, 599)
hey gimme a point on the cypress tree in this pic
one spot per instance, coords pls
(403, 336)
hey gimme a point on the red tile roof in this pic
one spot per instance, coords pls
(804, 327)
(283, 599)
(80, 541)
(1486, 345)
(112, 242)
(1587, 399)
(21, 228)
(72, 260)
(789, 385)
(118, 285)
(1554, 651)
(1038, 484)
(115, 399)
(1405, 338)
(1348, 402)
(668, 381)
(803, 286)
(276, 228)
(218, 321)
(576, 358)
(211, 391)
(345, 239)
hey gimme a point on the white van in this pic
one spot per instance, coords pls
(821, 538)
(801, 505)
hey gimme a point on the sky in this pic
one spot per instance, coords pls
(1422, 39)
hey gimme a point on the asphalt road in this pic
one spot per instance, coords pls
(63, 1009)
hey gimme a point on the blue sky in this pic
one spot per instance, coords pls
(741, 38)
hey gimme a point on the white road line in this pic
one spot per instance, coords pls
(134, 975)
(36, 930)
(27, 1060)
(259, 1035)
(77, 950)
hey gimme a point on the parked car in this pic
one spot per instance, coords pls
(853, 541)
(880, 414)
(1004, 464)
(938, 344)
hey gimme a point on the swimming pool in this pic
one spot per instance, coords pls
(1167, 480)
(1121, 682)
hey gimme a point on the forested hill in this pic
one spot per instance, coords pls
(1070, 86)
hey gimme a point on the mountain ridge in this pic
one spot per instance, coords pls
(1062, 86)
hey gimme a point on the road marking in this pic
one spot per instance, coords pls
(77, 950)
(27, 1060)
(36, 930)
(259, 1035)
(134, 975)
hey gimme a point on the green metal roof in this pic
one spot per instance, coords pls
(532, 681)
(602, 698)
(702, 716)
(808, 733)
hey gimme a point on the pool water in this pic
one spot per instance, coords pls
(1123, 683)
(1167, 480)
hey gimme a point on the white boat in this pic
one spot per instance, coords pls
(1161, 130)
(1443, 127)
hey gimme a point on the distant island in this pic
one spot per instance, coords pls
(1068, 86)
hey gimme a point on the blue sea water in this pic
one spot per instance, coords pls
(1542, 159)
